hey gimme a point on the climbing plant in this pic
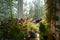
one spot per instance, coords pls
(51, 9)
(51, 15)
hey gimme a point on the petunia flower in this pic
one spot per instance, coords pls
(22, 19)
(37, 21)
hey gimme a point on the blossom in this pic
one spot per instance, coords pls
(37, 21)
(22, 19)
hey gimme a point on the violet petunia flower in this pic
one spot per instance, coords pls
(37, 21)
(22, 19)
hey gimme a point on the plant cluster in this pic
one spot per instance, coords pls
(19, 29)
(15, 29)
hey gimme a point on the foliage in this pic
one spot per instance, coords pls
(16, 29)
(30, 25)
(11, 30)
(44, 29)
(6, 10)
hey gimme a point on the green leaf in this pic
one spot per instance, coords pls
(42, 27)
